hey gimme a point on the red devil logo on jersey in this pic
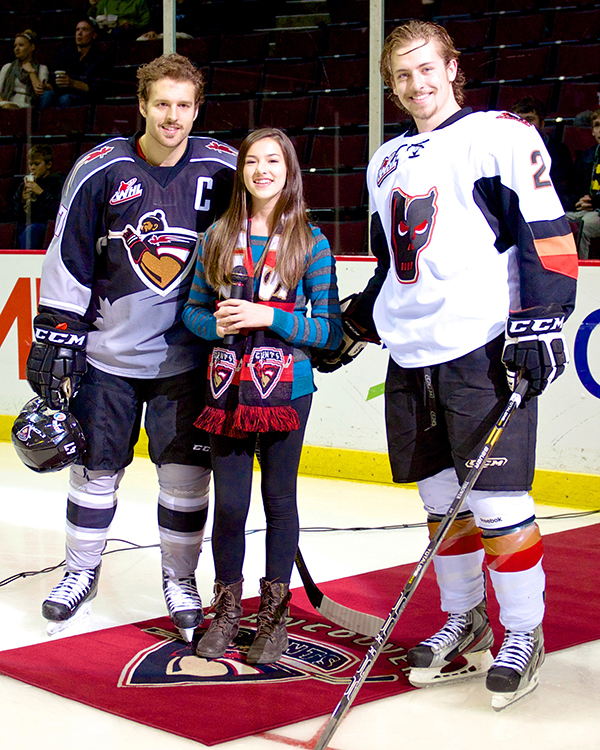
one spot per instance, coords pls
(413, 219)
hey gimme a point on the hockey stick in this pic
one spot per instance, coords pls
(380, 639)
(352, 619)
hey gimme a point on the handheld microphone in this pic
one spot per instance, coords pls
(238, 281)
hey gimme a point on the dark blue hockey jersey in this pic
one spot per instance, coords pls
(124, 248)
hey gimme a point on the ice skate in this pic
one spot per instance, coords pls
(460, 650)
(71, 599)
(184, 604)
(514, 673)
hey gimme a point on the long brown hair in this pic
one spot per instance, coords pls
(296, 236)
(420, 31)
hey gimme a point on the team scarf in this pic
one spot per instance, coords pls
(249, 385)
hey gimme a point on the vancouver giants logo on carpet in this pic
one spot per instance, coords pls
(318, 651)
(101, 667)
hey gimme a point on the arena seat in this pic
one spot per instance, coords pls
(236, 79)
(520, 63)
(285, 112)
(290, 77)
(332, 191)
(335, 110)
(248, 47)
(519, 29)
(346, 237)
(121, 119)
(228, 114)
(351, 151)
(344, 73)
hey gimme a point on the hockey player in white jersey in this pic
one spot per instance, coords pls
(116, 276)
(476, 273)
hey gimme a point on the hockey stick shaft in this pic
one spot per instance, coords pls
(352, 619)
(381, 638)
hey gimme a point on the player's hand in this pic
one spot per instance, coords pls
(358, 331)
(56, 360)
(535, 347)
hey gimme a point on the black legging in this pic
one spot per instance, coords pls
(232, 462)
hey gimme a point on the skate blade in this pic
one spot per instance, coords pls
(476, 664)
(187, 634)
(53, 628)
(500, 701)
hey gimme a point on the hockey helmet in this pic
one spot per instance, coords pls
(47, 439)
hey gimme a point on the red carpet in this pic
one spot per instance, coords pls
(144, 673)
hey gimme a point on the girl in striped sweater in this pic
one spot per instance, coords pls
(260, 380)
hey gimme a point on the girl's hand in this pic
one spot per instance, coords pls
(234, 314)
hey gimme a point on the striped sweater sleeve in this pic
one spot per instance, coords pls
(323, 327)
(198, 310)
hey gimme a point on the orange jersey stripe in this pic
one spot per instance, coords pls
(558, 254)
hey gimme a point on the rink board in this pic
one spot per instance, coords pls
(345, 436)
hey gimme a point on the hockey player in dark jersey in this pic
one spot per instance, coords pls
(117, 275)
(476, 273)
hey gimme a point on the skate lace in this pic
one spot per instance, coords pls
(181, 594)
(73, 588)
(449, 634)
(515, 651)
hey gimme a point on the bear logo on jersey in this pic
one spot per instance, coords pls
(413, 219)
(159, 254)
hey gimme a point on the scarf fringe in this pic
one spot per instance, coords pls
(246, 419)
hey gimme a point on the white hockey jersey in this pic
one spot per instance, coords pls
(466, 226)
(124, 248)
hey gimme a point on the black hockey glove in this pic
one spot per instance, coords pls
(358, 331)
(56, 359)
(535, 347)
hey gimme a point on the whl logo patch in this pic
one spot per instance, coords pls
(127, 191)
(223, 363)
(267, 365)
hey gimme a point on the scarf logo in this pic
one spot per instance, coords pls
(266, 365)
(223, 364)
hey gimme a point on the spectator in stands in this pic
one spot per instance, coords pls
(36, 201)
(81, 70)
(22, 81)
(561, 171)
(188, 20)
(586, 208)
(121, 18)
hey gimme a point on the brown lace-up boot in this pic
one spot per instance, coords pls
(271, 638)
(226, 621)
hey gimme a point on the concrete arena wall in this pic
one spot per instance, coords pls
(345, 436)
